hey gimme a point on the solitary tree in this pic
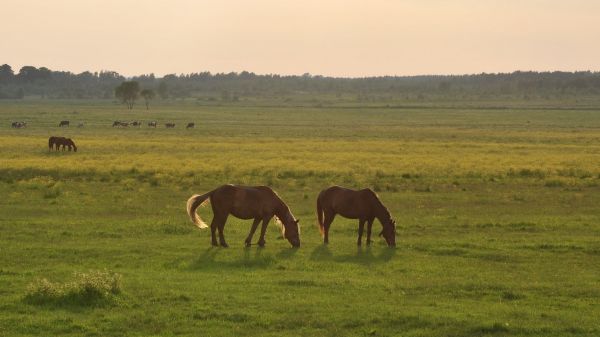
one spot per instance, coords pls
(128, 92)
(148, 95)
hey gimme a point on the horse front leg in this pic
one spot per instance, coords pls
(252, 230)
(369, 227)
(263, 230)
(361, 227)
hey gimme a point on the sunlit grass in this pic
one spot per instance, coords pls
(497, 213)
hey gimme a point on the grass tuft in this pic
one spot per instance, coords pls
(88, 288)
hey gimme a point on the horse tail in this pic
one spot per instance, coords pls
(193, 203)
(320, 214)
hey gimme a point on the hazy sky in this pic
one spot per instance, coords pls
(329, 37)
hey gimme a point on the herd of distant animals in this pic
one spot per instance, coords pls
(151, 124)
(57, 143)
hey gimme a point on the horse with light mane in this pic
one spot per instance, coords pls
(260, 203)
(363, 205)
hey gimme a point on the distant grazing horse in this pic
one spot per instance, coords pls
(63, 123)
(121, 124)
(152, 124)
(57, 142)
(363, 205)
(18, 125)
(170, 125)
(260, 203)
(190, 126)
(136, 123)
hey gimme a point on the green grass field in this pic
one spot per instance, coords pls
(498, 214)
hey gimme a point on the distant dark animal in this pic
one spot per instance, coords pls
(260, 203)
(363, 205)
(136, 123)
(56, 142)
(170, 125)
(152, 124)
(190, 126)
(18, 125)
(121, 124)
(63, 123)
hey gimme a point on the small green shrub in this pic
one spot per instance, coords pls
(85, 289)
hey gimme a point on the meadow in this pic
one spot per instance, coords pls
(497, 206)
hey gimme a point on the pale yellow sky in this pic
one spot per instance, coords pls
(329, 37)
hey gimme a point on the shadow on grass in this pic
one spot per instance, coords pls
(363, 255)
(219, 258)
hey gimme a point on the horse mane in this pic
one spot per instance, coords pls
(279, 225)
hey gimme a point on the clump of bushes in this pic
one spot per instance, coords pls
(85, 289)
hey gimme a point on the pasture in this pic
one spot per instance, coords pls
(497, 211)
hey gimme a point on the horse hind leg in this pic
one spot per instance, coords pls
(221, 227)
(213, 231)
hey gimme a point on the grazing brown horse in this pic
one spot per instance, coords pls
(260, 203)
(57, 142)
(170, 125)
(363, 205)
(152, 124)
(190, 126)
(63, 123)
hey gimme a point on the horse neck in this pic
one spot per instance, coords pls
(282, 211)
(381, 213)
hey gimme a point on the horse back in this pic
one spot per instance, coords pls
(349, 203)
(245, 202)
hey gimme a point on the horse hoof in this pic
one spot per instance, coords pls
(214, 244)
(224, 245)
(248, 244)
(261, 244)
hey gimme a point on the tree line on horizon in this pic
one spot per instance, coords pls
(42, 82)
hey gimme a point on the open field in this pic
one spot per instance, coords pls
(498, 213)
